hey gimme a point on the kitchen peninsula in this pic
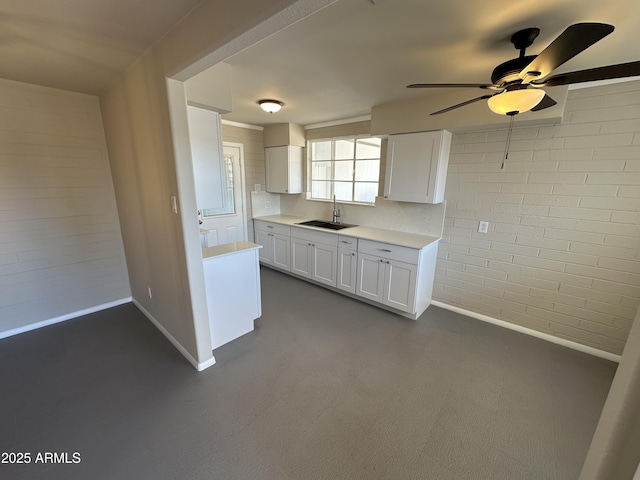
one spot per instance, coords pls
(232, 280)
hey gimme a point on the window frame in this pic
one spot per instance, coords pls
(354, 160)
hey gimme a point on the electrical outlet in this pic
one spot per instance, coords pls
(483, 227)
(267, 204)
(174, 204)
(149, 292)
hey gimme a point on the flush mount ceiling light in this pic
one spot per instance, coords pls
(515, 101)
(270, 106)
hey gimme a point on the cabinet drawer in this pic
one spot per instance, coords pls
(272, 227)
(348, 243)
(315, 237)
(386, 250)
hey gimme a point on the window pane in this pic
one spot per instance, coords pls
(368, 148)
(344, 149)
(321, 150)
(366, 192)
(343, 191)
(229, 206)
(344, 170)
(321, 190)
(367, 170)
(321, 170)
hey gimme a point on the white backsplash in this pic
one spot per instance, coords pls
(264, 203)
(425, 219)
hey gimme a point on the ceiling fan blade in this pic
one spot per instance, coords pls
(453, 107)
(571, 42)
(620, 70)
(546, 102)
(449, 85)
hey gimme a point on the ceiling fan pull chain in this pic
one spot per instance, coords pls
(506, 148)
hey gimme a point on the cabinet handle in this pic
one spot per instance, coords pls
(384, 249)
(344, 241)
(388, 261)
(269, 226)
(353, 254)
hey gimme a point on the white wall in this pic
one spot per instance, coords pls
(147, 134)
(561, 255)
(614, 452)
(61, 250)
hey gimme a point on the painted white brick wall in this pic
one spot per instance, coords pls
(60, 243)
(562, 252)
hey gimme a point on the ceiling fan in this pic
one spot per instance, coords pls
(516, 84)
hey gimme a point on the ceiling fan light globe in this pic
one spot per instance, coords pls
(518, 101)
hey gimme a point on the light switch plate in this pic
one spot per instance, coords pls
(483, 227)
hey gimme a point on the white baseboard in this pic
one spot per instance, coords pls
(198, 366)
(62, 318)
(528, 331)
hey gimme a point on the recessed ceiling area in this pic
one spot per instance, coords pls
(356, 54)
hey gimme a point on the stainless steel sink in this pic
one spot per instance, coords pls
(325, 224)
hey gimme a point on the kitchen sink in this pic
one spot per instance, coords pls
(325, 224)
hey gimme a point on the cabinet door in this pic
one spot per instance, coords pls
(323, 263)
(284, 169)
(301, 257)
(347, 268)
(281, 247)
(266, 252)
(417, 167)
(370, 277)
(400, 285)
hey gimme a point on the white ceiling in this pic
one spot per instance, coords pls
(336, 64)
(80, 45)
(355, 54)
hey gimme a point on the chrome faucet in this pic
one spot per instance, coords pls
(336, 211)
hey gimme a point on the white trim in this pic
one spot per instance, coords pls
(527, 331)
(344, 121)
(178, 345)
(241, 125)
(62, 318)
(600, 83)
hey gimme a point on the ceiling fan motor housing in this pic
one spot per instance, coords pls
(508, 71)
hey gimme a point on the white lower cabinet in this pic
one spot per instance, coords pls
(397, 277)
(389, 282)
(389, 274)
(314, 255)
(276, 244)
(347, 264)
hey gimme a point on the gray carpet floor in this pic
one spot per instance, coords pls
(324, 388)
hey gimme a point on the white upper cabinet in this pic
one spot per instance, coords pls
(417, 166)
(284, 169)
(208, 160)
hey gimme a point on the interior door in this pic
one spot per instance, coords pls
(228, 223)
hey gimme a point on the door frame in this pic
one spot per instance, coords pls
(243, 195)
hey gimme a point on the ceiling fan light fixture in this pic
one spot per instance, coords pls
(515, 101)
(270, 106)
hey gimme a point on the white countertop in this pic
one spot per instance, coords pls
(228, 249)
(412, 240)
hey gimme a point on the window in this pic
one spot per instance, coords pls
(348, 168)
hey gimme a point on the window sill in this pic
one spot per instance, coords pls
(340, 202)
